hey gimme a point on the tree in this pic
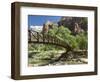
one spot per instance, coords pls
(82, 40)
(64, 34)
(76, 42)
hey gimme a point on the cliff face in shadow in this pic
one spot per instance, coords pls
(75, 24)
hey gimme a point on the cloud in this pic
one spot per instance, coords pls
(36, 28)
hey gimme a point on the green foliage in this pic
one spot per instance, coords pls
(76, 42)
(82, 40)
(64, 34)
(53, 31)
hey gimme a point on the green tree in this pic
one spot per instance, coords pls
(64, 34)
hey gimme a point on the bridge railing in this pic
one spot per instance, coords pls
(35, 36)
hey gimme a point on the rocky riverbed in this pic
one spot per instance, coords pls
(48, 59)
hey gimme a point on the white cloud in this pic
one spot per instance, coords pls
(36, 28)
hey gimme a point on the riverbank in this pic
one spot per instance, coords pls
(48, 58)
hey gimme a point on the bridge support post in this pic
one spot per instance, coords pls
(37, 37)
(29, 35)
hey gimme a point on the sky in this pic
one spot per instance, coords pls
(38, 20)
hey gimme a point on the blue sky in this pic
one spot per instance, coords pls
(38, 20)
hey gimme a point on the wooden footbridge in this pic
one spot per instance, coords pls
(45, 38)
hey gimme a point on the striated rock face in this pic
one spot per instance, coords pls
(77, 28)
(75, 24)
(48, 25)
